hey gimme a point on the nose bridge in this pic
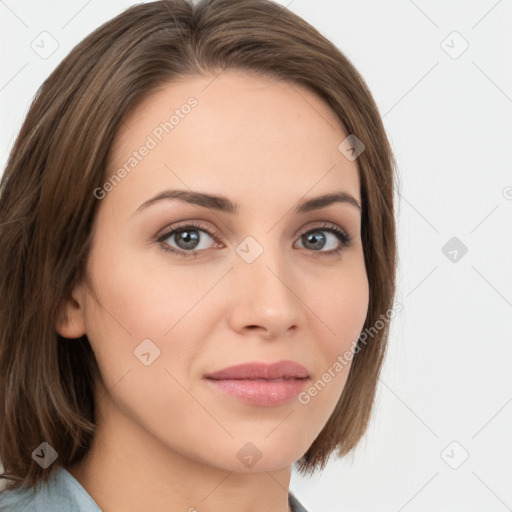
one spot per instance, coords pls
(263, 293)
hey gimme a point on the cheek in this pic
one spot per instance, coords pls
(142, 299)
(142, 368)
(146, 313)
(342, 303)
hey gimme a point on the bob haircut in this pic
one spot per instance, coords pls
(47, 206)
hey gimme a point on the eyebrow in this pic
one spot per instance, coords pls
(223, 204)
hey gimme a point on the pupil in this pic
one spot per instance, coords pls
(190, 239)
(315, 238)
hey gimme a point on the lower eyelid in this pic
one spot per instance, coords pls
(343, 237)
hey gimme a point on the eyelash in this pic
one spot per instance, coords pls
(344, 239)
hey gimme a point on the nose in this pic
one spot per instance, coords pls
(263, 297)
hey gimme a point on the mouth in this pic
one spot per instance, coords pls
(260, 383)
(266, 371)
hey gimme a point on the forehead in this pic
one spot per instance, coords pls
(236, 134)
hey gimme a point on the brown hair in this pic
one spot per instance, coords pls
(47, 205)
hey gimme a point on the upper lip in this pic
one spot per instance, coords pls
(256, 370)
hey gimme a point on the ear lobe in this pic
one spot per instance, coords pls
(70, 321)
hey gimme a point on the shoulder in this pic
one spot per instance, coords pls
(25, 499)
(63, 493)
(17, 500)
(60, 494)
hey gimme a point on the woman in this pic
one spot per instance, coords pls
(198, 232)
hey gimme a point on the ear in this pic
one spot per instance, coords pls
(70, 321)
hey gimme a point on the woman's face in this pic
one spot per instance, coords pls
(246, 286)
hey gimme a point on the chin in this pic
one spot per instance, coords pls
(257, 456)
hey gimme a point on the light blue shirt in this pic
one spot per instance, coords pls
(63, 493)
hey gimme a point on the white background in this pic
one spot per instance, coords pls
(447, 375)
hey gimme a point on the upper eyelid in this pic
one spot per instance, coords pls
(167, 231)
(170, 230)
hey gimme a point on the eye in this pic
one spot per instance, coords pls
(190, 242)
(316, 240)
(187, 238)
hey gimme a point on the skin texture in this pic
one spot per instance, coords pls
(165, 439)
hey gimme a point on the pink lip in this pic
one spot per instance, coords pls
(260, 383)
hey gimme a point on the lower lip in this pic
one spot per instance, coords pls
(260, 392)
